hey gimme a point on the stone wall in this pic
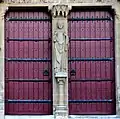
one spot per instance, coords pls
(117, 46)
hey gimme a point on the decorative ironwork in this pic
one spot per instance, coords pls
(46, 72)
(28, 59)
(90, 59)
(27, 101)
(90, 19)
(27, 80)
(27, 39)
(28, 19)
(73, 72)
(91, 101)
(49, 101)
(90, 80)
(89, 39)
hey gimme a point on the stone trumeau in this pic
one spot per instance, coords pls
(60, 60)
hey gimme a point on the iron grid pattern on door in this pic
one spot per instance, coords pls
(91, 62)
(28, 80)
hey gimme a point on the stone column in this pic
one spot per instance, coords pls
(2, 13)
(60, 60)
(117, 55)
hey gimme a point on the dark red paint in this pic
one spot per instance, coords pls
(28, 70)
(91, 70)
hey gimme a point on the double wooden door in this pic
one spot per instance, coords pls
(28, 76)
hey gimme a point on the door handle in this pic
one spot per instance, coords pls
(46, 72)
(73, 72)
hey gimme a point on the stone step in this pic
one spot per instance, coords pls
(70, 117)
(94, 117)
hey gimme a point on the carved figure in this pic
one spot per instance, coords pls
(61, 46)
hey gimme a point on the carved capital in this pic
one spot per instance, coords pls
(117, 12)
(60, 10)
(3, 10)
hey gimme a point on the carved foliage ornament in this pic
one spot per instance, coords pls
(3, 10)
(60, 10)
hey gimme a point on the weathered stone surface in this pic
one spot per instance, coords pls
(93, 1)
(70, 117)
(93, 117)
(60, 60)
(2, 117)
(118, 27)
(32, 1)
(1, 106)
(1, 96)
(29, 117)
(58, 1)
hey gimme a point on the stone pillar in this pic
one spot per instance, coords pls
(2, 13)
(60, 60)
(117, 56)
(61, 108)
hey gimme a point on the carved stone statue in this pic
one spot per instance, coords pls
(61, 47)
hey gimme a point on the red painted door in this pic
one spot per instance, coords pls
(91, 62)
(28, 80)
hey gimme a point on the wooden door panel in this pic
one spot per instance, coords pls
(28, 80)
(91, 62)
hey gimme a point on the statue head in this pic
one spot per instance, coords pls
(60, 24)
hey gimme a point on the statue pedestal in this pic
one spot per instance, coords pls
(61, 75)
(61, 110)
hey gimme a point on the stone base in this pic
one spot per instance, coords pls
(61, 112)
